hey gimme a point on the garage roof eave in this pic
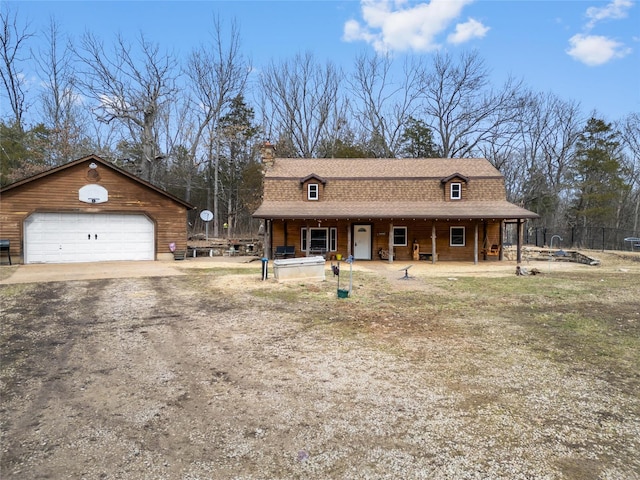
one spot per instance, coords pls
(105, 163)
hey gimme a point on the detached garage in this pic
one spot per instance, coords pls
(90, 211)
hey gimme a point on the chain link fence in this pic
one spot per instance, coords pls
(593, 238)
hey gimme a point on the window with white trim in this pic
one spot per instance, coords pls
(333, 239)
(456, 237)
(319, 239)
(456, 191)
(400, 236)
(313, 191)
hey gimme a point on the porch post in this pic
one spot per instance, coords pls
(286, 233)
(485, 240)
(501, 254)
(391, 242)
(475, 243)
(348, 239)
(433, 242)
(268, 252)
(519, 242)
(308, 240)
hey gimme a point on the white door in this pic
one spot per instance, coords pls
(87, 237)
(362, 242)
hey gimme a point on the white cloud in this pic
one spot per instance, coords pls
(467, 31)
(617, 9)
(594, 50)
(395, 26)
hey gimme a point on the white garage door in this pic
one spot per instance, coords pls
(87, 237)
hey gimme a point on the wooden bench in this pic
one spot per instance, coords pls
(285, 251)
(195, 251)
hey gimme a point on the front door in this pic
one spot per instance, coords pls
(362, 242)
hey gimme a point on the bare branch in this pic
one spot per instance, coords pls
(13, 38)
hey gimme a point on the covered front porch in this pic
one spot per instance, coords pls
(390, 239)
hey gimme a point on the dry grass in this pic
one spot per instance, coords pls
(216, 374)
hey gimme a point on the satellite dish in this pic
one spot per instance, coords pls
(206, 215)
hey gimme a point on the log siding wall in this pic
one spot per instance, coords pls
(417, 231)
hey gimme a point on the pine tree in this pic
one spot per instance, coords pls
(597, 173)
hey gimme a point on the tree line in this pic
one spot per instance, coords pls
(193, 125)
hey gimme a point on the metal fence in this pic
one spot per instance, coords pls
(593, 238)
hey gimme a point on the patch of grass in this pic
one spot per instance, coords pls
(221, 271)
(591, 319)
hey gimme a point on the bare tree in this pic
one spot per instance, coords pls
(13, 38)
(129, 90)
(548, 128)
(217, 74)
(300, 97)
(60, 101)
(630, 131)
(460, 106)
(383, 105)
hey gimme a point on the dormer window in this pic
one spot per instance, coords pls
(313, 183)
(456, 191)
(452, 186)
(312, 191)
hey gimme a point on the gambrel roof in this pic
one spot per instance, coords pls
(329, 168)
(387, 188)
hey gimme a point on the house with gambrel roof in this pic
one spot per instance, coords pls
(405, 209)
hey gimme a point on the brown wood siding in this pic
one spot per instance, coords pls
(59, 193)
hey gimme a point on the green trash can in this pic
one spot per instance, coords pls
(343, 293)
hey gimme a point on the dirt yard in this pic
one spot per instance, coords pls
(200, 370)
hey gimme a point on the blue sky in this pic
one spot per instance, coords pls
(582, 50)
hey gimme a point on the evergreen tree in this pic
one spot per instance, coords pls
(599, 184)
(417, 140)
(240, 173)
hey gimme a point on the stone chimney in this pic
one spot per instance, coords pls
(268, 152)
